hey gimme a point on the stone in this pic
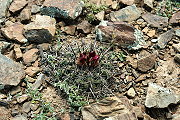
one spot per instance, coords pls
(121, 33)
(41, 30)
(35, 9)
(14, 32)
(154, 40)
(164, 38)
(126, 14)
(175, 18)
(22, 98)
(155, 20)
(4, 5)
(84, 27)
(2, 96)
(100, 15)
(145, 30)
(19, 117)
(15, 109)
(38, 82)
(66, 9)
(177, 58)
(149, 3)
(131, 93)
(18, 53)
(100, 2)
(177, 32)
(114, 5)
(17, 5)
(25, 15)
(15, 90)
(146, 63)
(159, 97)
(176, 47)
(26, 107)
(69, 29)
(30, 56)
(4, 113)
(11, 73)
(11, 55)
(3, 46)
(138, 112)
(44, 46)
(151, 33)
(30, 79)
(127, 2)
(34, 107)
(32, 71)
(139, 21)
(111, 108)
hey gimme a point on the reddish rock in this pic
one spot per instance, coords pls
(5, 113)
(155, 20)
(121, 33)
(69, 29)
(175, 18)
(32, 71)
(30, 56)
(17, 5)
(68, 9)
(146, 63)
(18, 53)
(84, 27)
(25, 15)
(14, 32)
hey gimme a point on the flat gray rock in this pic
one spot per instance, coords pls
(4, 4)
(155, 20)
(160, 97)
(126, 14)
(11, 73)
(164, 38)
(67, 9)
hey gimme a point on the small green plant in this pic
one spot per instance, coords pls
(83, 71)
(167, 8)
(46, 108)
(91, 9)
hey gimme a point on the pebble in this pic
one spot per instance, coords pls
(131, 93)
(22, 98)
(177, 58)
(151, 33)
(26, 107)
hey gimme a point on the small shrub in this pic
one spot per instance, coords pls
(167, 8)
(91, 9)
(46, 108)
(83, 71)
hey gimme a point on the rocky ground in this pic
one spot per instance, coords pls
(89, 60)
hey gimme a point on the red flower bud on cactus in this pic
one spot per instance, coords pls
(92, 54)
(90, 59)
